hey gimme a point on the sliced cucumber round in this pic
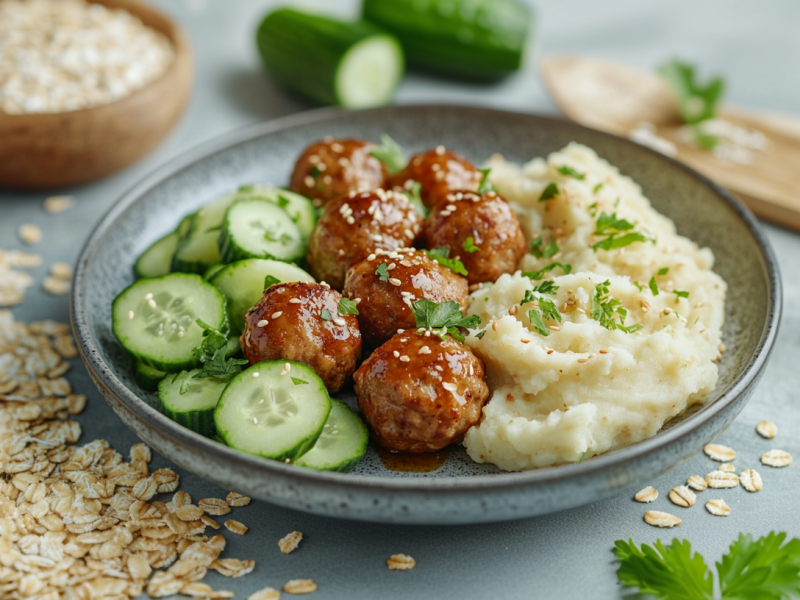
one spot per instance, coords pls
(199, 247)
(155, 319)
(341, 444)
(299, 208)
(257, 228)
(276, 414)
(148, 377)
(157, 259)
(191, 400)
(212, 270)
(244, 281)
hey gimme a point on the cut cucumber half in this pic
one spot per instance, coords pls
(257, 228)
(155, 319)
(157, 259)
(242, 283)
(341, 444)
(147, 377)
(191, 401)
(275, 414)
(354, 64)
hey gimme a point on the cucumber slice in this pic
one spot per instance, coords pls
(184, 226)
(299, 208)
(212, 270)
(276, 414)
(157, 259)
(242, 283)
(354, 64)
(191, 401)
(199, 250)
(342, 443)
(154, 319)
(476, 39)
(234, 347)
(148, 378)
(256, 228)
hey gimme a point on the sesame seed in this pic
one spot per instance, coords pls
(513, 310)
(580, 310)
(350, 220)
(604, 351)
(341, 252)
(495, 325)
(439, 150)
(357, 300)
(337, 147)
(287, 367)
(438, 368)
(396, 354)
(445, 213)
(313, 159)
(324, 284)
(436, 167)
(471, 369)
(554, 328)
(424, 350)
(130, 314)
(450, 387)
(451, 207)
(371, 257)
(524, 341)
(275, 315)
(401, 331)
(308, 180)
(339, 321)
(582, 360)
(394, 281)
(404, 359)
(377, 237)
(262, 323)
(148, 296)
(427, 334)
(405, 263)
(667, 311)
(409, 234)
(391, 266)
(152, 303)
(295, 301)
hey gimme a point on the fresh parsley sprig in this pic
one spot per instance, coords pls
(382, 272)
(211, 355)
(348, 307)
(544, 271)
(607, 310)
(441, 255)
(612, 229)
(390, 154)
(568, 171)
(766, 568)
(539, 249)
(549, 192)
(445, 317)
(414, 195)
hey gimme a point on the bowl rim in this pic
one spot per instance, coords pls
(488, 482)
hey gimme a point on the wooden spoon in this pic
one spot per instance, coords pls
(615, 98)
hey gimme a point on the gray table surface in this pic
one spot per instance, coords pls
(565, 555)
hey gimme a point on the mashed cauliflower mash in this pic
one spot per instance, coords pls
(584, 388)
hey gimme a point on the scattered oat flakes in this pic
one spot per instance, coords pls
(718, 508)
(751, 480)
(648, 494)
(682, 496)
(719, 452)
(56, 286)
(265, 594)
(236, 527)
(61, 270)
(776, 458)
(290, 542)
(58, 204)
(657, 518)
(400, 562)
(729, 467)
(722, 479)
(697, 483)
(76, 403)
(140, 452)
(300, 586)
(767, 429)
(237, 500)
(214, 506)
(30, 233)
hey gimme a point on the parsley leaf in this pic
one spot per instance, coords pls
(549, 192)
(679, 294)
(653, 286)
(297, 381)
(607, 310)
(696, 102)
(325, 315)
(538, 249)
(570, 172)
(546, 287)
(597, 188)
(663, 271)
(610, 228)
(485, 185)
(315, 171)
(446, 316)
(440, 255)
(480, 334)
(382, 272)
(347, 307)
(211, 355)
(413, 193)
(390, 154)
(270, 280)
(542, 272)
(550, 249)
(469, 245)
(549, 310)
(760, 569)
(535, 317)
(638, 285)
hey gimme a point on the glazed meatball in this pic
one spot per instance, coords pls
(439, 172)
(492, 225)
(385, 306)
(354, 226)
(331, 168)
(419, 393)
(288, 323)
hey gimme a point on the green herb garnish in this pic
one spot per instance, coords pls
(325, 315)
(663, 271)
(607, 310)
(653, 286)
(679, 294)
(414, 197)
(535, 317)
(544, 271)
(638, 285)
(611, 229)
(480, 334)
(549, 192)
(539, 250)
(570, 172)
(270, 280)
(211, 354)
(382, 272)
(390, 154)
(440, 255)
(315, 171)
(485, 185)
(469, 245)
(446, 317)
(549, 310)
(297, 381)
(347, 307)
(597, 188)
(546, 287)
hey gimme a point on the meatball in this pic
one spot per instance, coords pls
(492, 225)
(385, 306)
(354, 226)
(331, 168)
(289, 323)
(419, 393)
(439, 172)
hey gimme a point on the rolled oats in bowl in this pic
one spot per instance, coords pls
(64, 55)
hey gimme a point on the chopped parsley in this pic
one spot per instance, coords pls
(480, 334)
(607, 310)
(325, 315)
(663, 271)
(390, 154)
(297, 381)
(549, 310)
(597, 188)
(611, 229)
(539, 249)
(544, 271)
(347, 307)
(679, 294)
(570, 172)
(485, 185)
(653, 286)
(413, 193)
(535, 317)
(440, 255)
(211, 355)
(638, 285)
(270, 280)
(382, 272)
(446, 317)
(546, 287)
(469, 245)
(315, 171)
(549, 192)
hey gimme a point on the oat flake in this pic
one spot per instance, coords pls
(300, 586)
(657, 518)
(719, 452)
(236, 527)
(718, 508)
(290, 542)
(776, 458)
(400, 562)
(648, 494)
(722, 479)
(265, 594)
(729, 467)
(58, 204)
(697, 483)
(751, 480)
(682, 496)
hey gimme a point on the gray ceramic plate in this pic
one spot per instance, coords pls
(461, 491)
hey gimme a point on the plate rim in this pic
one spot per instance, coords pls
(101, 371)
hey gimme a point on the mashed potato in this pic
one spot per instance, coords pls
(585, 389)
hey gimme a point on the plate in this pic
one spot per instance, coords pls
(461, 491)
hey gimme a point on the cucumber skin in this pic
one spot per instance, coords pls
(200, 421)
(435, 41)
(344, 467)
(146, 377)
(302, 51)
(231, 252)
(169, 243)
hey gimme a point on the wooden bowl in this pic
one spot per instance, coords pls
(47, 150)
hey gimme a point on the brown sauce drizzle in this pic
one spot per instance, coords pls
(413, 462)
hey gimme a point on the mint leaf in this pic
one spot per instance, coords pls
(549, 192)
(347, 307)
(570, 172)
(382, 272)
(469, 245)
(390, 154)
(440, 255)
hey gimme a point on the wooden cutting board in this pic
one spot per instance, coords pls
(615, 98)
